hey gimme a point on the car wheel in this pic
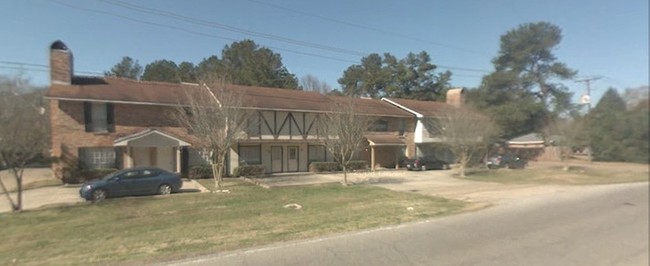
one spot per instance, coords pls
(99, 195)
(164, 189)
(423, 167)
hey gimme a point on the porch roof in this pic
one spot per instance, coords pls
(385, 140)
(149, 136)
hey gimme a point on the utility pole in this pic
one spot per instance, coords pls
(586, 99)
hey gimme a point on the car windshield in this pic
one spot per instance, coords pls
(114, 174)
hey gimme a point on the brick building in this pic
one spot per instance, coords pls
(108, 122)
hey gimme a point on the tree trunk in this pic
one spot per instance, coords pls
(215, 175)
(463, 163)
(19, 193)
(345, 175)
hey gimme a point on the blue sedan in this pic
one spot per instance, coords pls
(131, 182)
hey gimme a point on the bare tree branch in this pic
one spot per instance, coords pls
(23, 131)
(214, 115)
(342, 130)
(465, 131)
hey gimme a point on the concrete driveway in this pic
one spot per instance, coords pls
(443, 184)
(45, 197)
(434, 183)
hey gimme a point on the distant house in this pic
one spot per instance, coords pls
(108, 122)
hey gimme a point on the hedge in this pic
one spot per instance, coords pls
(358, 165)
(78, 176)
(250, 170)
(318, 167)
(200, 171)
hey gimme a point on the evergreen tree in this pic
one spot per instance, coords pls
(127, 68)
(524, 92)
(161, 70)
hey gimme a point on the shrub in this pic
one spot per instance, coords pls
(357, 165)
(318, 167)
(250, 170)
(200, 171)
(78, 176)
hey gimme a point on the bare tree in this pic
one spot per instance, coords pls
(465, 131)
(342, 130)
(567, 134)
(214, 115)
(312, 83)
(23, 132)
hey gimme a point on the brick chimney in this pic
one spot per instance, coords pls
(61, 68)
(456, 97)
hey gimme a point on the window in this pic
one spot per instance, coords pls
(293, 153)
(149, 173)
(250, 154)
(94, 158)
(98, 117)
(401, 126)
(316, 154)
(380, 125)
(131, 174)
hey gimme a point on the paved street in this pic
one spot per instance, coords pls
(593, 225)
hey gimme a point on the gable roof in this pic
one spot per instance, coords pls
(122, 90)
(374, 107)
(419, 108)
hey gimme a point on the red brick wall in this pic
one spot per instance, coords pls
(61, 66)
(69, 132)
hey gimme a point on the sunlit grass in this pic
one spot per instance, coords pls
(582, 174)
(150, 229)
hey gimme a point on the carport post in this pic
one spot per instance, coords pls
(372, 158)
(178, 159)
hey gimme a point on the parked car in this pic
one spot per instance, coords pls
(425, 163)
(506, 161)
(131, 182)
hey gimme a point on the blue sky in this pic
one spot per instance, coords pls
(601, 37)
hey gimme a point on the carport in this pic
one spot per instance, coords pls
(152, 147)
(385, 149)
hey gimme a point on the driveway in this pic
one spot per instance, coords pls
(442, 184)
(45, 197)
(439, 183)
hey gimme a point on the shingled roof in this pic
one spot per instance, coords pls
(424, 108)
(122, 90)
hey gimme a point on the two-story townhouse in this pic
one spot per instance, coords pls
(100, 122)
(426, 141)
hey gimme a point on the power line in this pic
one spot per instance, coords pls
(193, 32)
(213, 24)
(38, 67)
(355, 25)
(231, 39)
(264, 35)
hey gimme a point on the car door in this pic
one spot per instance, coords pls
(129, 182)
(149, 181)
(121, 185)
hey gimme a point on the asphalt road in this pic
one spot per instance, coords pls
(603, 225)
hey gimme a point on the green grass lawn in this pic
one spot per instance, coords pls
(582, 174)
(151, 229)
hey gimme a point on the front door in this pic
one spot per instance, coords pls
(141, 156)
(166, 159)
(276, 159)
(292, 159)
